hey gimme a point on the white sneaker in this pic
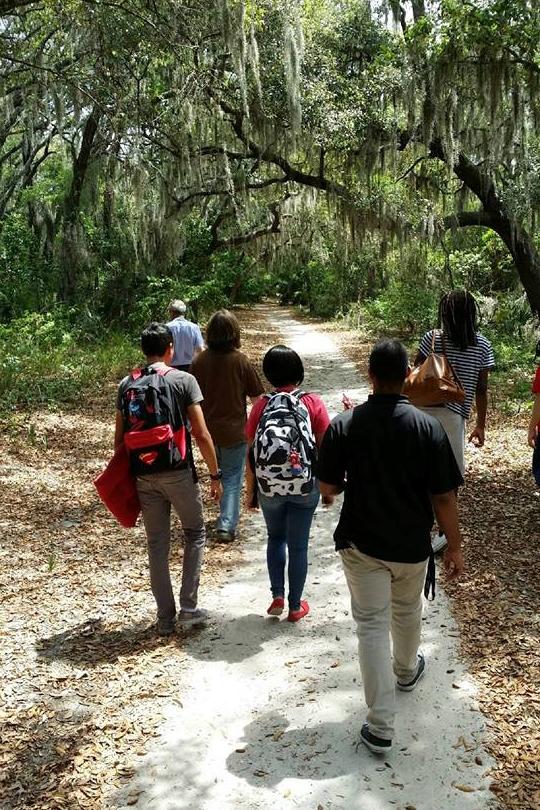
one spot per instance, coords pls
(438, 542)
(189, 618)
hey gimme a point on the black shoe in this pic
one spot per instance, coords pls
(375, 744)
(420, 669)
(223, 536)
(165, 627)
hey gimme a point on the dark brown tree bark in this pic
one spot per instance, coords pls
(495, 215)
(71, 219)
(9, 6)
(419, 9)
(80, 167)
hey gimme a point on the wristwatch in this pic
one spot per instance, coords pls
(217, 477)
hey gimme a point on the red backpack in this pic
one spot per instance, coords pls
(155, 437)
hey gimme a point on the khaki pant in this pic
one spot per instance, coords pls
(386, 598)
(157, 493)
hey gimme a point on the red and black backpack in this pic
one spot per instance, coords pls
(155, 434)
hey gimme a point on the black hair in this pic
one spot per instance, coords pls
(537, 352)
(283, 366)
(458, 317)
(388, 362)
(223, 331)
(156, 339)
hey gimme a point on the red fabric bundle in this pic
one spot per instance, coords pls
(116, 488)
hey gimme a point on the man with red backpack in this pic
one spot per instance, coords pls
(154, 406)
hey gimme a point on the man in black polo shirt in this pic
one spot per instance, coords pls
(396, 466)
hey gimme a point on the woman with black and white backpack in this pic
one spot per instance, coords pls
(284, 431)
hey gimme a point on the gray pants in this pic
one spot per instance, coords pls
(156, 494)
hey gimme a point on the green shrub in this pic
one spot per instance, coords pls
(402, 309)
(27, 280)
(46, 359)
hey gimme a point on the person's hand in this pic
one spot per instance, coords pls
(532, 436)
(327, 500)
(478, 436)
(453, 564)
(216, 490)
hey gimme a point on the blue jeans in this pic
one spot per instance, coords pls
(232, 462)
(288, 521)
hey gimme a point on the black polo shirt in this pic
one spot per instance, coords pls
(392, 458)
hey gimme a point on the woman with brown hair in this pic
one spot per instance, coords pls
(226, 378)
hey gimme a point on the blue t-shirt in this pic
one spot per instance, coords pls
(187, 339)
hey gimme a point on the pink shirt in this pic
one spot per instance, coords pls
(316, 409)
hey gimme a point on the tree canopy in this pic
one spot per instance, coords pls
(124, 123)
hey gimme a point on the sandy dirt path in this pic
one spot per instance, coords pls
(271, 712)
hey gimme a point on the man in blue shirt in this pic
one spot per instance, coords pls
(187, 337)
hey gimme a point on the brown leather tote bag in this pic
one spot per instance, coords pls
(434, 382)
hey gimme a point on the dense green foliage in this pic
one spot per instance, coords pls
(349, 157)
(58, 358)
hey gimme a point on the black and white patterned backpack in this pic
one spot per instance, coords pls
(284, 448)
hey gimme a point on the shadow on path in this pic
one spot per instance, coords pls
(272, 751)
(234, 640)
(91, 644)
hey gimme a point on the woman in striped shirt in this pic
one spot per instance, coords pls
(471, 356)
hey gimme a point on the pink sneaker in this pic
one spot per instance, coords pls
(296, 615)
(276, 608)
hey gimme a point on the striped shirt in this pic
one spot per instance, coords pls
(467, 365)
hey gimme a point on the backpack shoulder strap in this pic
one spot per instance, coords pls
(162, 372)
(294, 413)
(296, 393)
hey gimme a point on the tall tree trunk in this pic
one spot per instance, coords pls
(419, 9)
(80, 167)
(519, 242)
(71, 221)
(526, 258)
(495, 215)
